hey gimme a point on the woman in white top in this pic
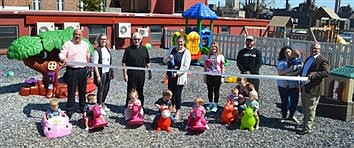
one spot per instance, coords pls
(102, 75)
(214, 64)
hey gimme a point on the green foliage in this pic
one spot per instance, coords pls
(90, 45)
(55, 39)
(27, 46)
(24, 47)
(92, 5)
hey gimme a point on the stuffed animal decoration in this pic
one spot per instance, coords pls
(196, 121)
(137, 118)
(228, 115)
(164, 122)
(248, 120)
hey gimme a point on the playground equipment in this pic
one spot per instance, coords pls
(41, 54)
(97, 121)
(199, 11)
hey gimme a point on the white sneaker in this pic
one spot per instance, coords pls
(86, 129)
(215, 108)
(257, 127)
(106, 108)
(103, 112)
(295, 120)
(210, 106)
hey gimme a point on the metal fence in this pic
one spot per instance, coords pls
(338, 54)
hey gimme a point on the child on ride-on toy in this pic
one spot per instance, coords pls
(54, 110)
(163, 102)
(134, 100)
(88, 113)
(252, 102)
(198, 106)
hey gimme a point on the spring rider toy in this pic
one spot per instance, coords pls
(97, 121)
(248, 120)
(164, 122)
(228, 115)
(196, 121)
(137, 118)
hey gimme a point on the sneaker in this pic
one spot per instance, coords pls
(207, 127)
(257, 127)
(105, 108)
(215, 108)
(210, 106)
(103, 112)
(282, 120)
(294, 120)
(86, 129)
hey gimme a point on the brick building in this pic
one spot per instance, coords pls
(17, 18)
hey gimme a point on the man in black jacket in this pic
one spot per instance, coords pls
(249, 61)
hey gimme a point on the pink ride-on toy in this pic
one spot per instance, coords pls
(56, 126)
(137, 118)
(97, 121)
(196, 121)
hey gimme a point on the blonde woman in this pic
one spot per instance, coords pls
(103, 75)
(214, 64)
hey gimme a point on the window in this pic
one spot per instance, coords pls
(7, 35)
(36, 4)
(156, 33)
(60, 5)
(94, 31)
(179, 6)
(225, 29)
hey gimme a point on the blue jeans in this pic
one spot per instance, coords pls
(285, 93)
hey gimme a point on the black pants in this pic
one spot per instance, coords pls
(213, 84)
(103, 88)
(136, 80)
(176, 90)
(76, 78)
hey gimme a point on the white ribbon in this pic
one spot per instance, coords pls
(290, 78)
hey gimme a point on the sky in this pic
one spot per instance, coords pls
(295, 3)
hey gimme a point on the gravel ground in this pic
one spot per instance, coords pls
(20, 117)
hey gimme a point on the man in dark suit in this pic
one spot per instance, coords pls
(316, 68)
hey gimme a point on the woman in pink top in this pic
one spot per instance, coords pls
(214, 64)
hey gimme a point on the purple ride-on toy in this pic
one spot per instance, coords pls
(56, 126)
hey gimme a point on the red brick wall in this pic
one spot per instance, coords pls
(190, 3)
(17, 2)
(48, 5)
(71, 5)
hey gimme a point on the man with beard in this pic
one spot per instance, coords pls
(249, 61)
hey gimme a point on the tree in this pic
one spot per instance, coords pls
(92, 5)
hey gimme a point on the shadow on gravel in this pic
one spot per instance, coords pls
(115, 108)
(11, 88)
(299, 108)
(156, 60)
(39, 128)
(276, 124)
(41, 107)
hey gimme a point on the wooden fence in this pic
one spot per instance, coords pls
(338, 54)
